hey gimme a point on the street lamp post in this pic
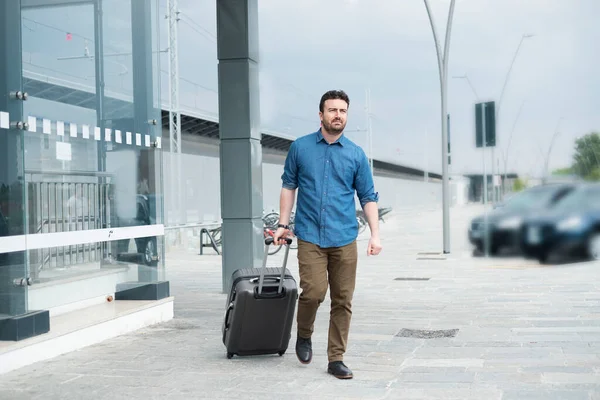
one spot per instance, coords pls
(505, 153)
(506, 79)
(547, 155)
(466, 77)
(442, 59)
(523, 37)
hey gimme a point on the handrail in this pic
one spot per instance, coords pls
(193, 225)
(69, 173)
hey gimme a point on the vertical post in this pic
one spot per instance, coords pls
(492, 173)
(499, 178)
(13, 299)
(99, 69)
(426, 169)
(143, 104)
(239, 131)
(100, 115)
(512, 63)
(547, 156)
(505, 153)
(443, 73)
(145, 113)
(449, 148)
(485, 188)
(179, 211)
(17, 322)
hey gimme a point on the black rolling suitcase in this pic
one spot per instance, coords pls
(260, 309)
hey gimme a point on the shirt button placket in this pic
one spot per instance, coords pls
(324, 196)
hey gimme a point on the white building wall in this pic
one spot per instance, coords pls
(201, 192)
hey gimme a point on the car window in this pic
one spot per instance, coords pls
(592, 197)
(572, 202)
(560, 195)
(539, 197)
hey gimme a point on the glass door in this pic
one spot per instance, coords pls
(92, 147)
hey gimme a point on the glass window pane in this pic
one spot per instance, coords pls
(92, 159)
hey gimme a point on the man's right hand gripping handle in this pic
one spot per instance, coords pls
(280, 237)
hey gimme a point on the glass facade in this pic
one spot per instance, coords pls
(81, 196)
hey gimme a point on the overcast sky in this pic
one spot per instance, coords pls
(310, 46)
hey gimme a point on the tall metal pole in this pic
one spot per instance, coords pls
(174, 113)
(547, 156)
(426, 169)
(506, 79)
(443, 72)
(523, 37)
(505, 155)
(485, 188)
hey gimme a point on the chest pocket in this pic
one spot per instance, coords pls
(344, 168)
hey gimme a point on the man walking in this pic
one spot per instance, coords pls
(327, 169)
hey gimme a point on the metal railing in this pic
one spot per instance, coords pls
(78, 202)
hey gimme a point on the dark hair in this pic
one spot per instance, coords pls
(333, 95)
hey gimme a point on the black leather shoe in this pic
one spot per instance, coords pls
(304, 350)
(339, 370)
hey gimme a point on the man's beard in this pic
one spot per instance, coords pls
(334, 129)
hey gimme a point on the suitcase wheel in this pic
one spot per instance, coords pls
(281, 353)
(229, 355)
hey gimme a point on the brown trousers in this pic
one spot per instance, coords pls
(319, 268)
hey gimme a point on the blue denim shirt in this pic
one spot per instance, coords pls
(327, 177)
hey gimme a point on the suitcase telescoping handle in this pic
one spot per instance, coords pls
(269, 241)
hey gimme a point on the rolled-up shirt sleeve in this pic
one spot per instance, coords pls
(290, 170)
(363, 181)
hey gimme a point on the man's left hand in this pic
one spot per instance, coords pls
(374, 247)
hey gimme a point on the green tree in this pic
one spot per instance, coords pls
(594, 175)
(586, 160)
(563, 171)
(519, 185)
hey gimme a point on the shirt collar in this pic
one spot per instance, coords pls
(341, 140)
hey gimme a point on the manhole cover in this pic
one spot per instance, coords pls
(425, 334)
(412, 279)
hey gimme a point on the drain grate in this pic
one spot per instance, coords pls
(424, 334)
(412, 279)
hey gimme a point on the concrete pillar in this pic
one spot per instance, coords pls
(239, 129)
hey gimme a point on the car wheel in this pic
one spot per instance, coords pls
(593, 246)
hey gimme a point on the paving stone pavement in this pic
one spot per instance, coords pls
(524, 332)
